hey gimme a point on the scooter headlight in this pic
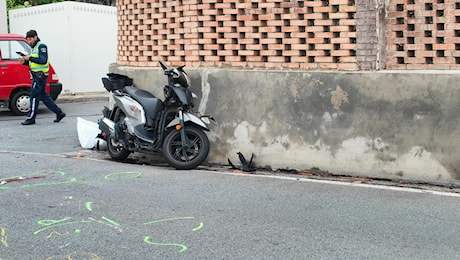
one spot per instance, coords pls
(206, 120)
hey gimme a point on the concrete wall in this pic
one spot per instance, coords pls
(81, 37)
(394, 125)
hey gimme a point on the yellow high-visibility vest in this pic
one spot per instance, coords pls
(35, 67)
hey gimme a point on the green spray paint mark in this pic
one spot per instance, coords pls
(167, 219)
(47, 222)
(89, 205)
(76, 255)
(147, 240)
(199, 227)
(182, 247)
(111, 221)
(63, 224)
(116, 176)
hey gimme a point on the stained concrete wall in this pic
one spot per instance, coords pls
(393, 125)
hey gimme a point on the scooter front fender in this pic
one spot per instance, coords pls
(188, 117)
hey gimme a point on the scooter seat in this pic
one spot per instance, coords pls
(139, 94)
(151, 104)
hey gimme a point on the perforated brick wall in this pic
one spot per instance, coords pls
(251, 34)
(423, 34)
(289, 34)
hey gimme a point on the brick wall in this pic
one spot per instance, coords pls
(314, 34)
(423, 34)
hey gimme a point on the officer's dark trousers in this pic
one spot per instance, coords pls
(37, 93)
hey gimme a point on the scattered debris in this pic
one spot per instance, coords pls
(20, 179)
(246, 166)
(101, 142)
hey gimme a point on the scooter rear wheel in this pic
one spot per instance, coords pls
(116, 150)
(114, 145)
(186, 158)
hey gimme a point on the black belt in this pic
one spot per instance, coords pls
(39, 73)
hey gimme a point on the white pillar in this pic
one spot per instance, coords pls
(3, 20)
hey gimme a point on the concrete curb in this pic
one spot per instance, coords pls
(81, 97)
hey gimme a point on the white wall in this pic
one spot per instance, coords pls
(81, 38)
(3, 20)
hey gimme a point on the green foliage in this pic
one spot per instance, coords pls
(13, 4)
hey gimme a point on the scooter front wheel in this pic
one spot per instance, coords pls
(186, 157)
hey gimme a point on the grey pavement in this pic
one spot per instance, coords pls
(57, 205)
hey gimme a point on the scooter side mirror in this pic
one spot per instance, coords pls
(163, 65)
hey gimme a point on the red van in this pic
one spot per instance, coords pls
(15, 78)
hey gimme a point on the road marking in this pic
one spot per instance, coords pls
(361, 185)
(3, 237)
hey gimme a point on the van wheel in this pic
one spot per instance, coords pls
(20, 102)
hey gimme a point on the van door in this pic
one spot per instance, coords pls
(12, 74)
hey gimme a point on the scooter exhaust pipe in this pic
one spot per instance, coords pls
(107, 126)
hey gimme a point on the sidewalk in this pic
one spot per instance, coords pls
(79, 97)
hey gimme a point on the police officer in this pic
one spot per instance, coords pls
(39, 66)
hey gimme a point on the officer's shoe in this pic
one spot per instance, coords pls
(28, 122)
(59, 117)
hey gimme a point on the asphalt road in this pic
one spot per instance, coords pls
(55, 205)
